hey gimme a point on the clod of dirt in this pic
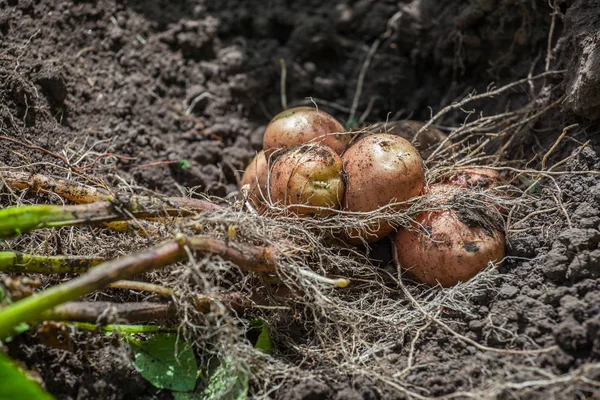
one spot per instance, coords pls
(587, 215)
(524, 245)
(577, 239)
(311, 390)
(584, 265)
(571, 336)
(583, 89)
(52, 81)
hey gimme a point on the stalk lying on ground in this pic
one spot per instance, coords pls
(11, 261)
(86, 326)
(247, 257)
(137, 311)
(21, 219)
(83, 194)
(69, 190)
(92, 311)
(31, 308)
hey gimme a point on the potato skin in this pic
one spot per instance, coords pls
(427, 141)
(308, 176)
(453, 253)
(381, 169)
(256, 175)
(301, 125)
(476, 178)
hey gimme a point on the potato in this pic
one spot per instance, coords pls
(476, 178)
(427, 141)
(302, 125)
(256, 175)
(451, 251)
(306, 177)
(380, 169)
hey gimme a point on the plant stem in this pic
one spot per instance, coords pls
(247, 257)
(92, 311)
(30, 308)
(21, 219)
(120, 328)
(69, 190)
(12, 261)
(142, 286)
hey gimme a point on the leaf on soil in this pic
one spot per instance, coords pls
(14, 384)
(263, 343)
(166, 362)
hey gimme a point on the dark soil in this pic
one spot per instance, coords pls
(145, 85)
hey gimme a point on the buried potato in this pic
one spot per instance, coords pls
(476, 178)
(380, 169)
(308, 179)
(301, 125)
(256, 176)
(444, 247)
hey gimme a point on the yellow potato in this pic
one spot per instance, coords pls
(301, 125)
(307, 178)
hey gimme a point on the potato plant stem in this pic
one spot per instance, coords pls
(31, 308)
(121, 328)
(90, 311)
(70, 190)
(142, 286)
(246, 257)
(21, 219)
(12, 261)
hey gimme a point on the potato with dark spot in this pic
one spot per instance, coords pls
(448, 251)
(380, 169)
(256, 176)
(308, 179)
(301, 125)
(476, 178)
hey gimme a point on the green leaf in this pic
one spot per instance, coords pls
(14, 384)
(166, 363)
(228, 382)
(263, 343)
(183, 164)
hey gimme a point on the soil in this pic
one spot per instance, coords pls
(173, 97)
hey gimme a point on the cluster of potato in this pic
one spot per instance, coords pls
(312, 167)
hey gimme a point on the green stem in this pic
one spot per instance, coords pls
(21, 219)
(12, 261)
(30, 308)
(120, 328)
